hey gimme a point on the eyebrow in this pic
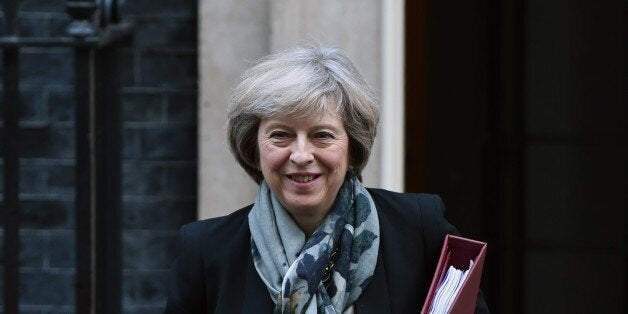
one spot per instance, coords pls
(317, 126)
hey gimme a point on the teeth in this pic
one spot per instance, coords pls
(302, 179)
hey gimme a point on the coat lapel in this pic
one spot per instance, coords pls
(256, 297)
(375, 298)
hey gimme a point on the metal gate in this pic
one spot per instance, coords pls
(93, 34)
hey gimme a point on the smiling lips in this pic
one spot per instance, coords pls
(302, 178)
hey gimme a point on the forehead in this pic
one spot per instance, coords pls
(305, 106)
(317, 119)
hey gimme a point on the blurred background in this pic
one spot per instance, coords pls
(113, 136)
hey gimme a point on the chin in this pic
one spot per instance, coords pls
(303, 206)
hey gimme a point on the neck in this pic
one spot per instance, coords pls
(308, 224)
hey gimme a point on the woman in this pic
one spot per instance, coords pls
(302, 124)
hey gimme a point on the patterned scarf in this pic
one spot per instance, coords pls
(293, 269)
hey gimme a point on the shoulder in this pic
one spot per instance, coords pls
(403, 197)
(420, 213)
(205, 249)
(218, 224)
(422, 205)
(216, 231)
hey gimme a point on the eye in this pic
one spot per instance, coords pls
(279, 135)
(323, 136)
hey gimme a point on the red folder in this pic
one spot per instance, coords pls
(457, 252)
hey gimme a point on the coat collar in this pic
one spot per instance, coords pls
(256, 296)
(376, 297)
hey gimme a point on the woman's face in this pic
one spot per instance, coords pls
(304, 162)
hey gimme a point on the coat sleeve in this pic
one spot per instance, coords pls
(435, 228)
(186, 286)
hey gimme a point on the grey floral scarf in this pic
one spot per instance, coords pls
(294, 269)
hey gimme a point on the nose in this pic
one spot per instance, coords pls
(301, 154)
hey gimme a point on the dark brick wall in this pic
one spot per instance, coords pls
(158, 92)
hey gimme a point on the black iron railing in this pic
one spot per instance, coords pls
(93, 33)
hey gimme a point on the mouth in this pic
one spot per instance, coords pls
(302, 178)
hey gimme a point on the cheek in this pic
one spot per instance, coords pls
(338, 158)
(263, 154)
(270, 158)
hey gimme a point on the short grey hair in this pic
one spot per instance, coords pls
(300, 82)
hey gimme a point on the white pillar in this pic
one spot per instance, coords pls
(231, 35)
(392, 128)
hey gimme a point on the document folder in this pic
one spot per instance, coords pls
(457, 252)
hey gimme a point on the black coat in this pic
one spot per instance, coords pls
(214, 271)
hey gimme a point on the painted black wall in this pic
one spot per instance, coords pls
(528, 143)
